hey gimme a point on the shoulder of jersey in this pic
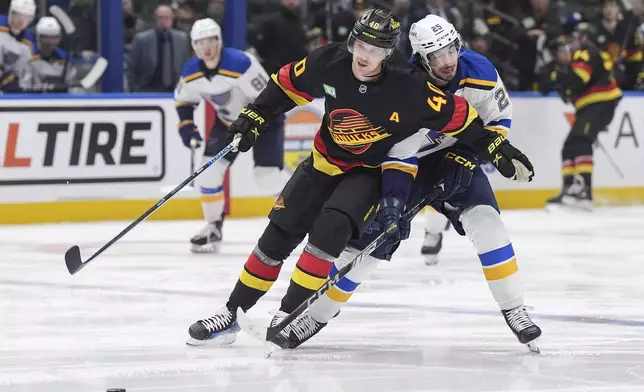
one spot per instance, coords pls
(477, 71)
(192, 70)
(4, 23)
(234, 63)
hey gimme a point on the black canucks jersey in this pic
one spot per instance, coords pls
(373, 124)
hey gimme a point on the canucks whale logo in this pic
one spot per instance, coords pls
(353, 131)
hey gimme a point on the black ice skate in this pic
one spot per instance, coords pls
(303, 329)
(576, 196)
(208, 240)
(222, 328)
(522, 326)
(432, 245)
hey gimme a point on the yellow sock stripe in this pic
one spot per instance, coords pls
(307, 281)
(338, 295)
(254, 282)
(568, 171)
(584, 168)
(212, 198)
(501, 271)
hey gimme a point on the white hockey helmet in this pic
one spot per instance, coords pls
(24, 7)
(49, 26)
(204, 28)
(431, 34)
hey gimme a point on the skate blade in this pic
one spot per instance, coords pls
(533, 347)
(270, 349)
(431, 260)
(211, 247)
(225, 339)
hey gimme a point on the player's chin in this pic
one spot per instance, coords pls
(447, 74)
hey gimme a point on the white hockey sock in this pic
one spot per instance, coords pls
(270, 179)
(331, 302)
(486, 230)
(211, 187)
(435, 222)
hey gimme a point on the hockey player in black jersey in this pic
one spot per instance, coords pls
(584, 77)
(362, 161)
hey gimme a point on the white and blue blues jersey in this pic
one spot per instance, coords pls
(479, 83)
(235, 83)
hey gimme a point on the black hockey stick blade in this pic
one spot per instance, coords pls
(272, 332)
(73, 257)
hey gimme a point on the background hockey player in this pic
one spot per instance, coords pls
(50, 65)
(583, 76)
(16, 45)
(229, 79)
(467, 199)
(364, 151)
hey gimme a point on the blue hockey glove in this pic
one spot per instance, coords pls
(458, 171)
(189, 132)
(388, 218)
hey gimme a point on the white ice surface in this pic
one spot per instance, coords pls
(122, 322)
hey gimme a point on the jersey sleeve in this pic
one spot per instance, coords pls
(254, 80)
(579, 73)
(185, 95)
(494, 108)
(295, 84)
(445, 112)
(400, 166)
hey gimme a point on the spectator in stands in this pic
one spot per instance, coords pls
(216, 10)
(279, 37)
(83, 14)
(442, 8)
(335, 18)
(187, 15)
(131, 22)
(157, 55)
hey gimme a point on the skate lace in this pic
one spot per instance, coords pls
(304, 327)
(519, 319)
(218, 321)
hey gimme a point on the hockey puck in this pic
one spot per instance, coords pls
(116, 390)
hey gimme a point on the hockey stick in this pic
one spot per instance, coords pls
(73, 257)
(272, 332)
(69, 28)
(194, 144)
(94, 74)
(610, 159)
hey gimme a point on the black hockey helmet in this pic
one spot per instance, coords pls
(377, 27)
(587, 30)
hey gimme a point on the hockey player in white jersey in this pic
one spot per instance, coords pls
(471, 76)
(49, 62)
(467, 200)
(229, 79)
(16, 45)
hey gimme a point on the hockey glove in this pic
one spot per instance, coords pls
(250, 124)
(507, 159)
(189, 132)
(457, 174)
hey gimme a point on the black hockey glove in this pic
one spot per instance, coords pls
(507, 159)
(250, 124)
(388, 220)
(188, 133)
(457, 170)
